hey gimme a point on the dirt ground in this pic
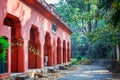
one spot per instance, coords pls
(81, 72)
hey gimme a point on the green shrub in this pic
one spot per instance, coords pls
(3, 48)
(74, 61)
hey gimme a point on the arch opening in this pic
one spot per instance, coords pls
(64, 52)
(17, 43)
(48, 56)
(68, 52)
(54, 53)
(4, 65)
(59, 55)
(34, 49)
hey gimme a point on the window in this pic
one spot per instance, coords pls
(54, 27)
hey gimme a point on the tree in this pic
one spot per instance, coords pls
(103, 41)
(110, 9)
(81, 17)
(92, 18)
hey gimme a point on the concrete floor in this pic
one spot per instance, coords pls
(88, 72)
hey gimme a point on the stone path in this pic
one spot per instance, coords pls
(88, 72)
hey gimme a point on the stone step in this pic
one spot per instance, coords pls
(22, 77)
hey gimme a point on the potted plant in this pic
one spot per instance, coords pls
(3, 48)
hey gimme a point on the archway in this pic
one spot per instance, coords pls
(64, 52)
(34, 49)
(17, 43)
(3, 65)
(48, 56)
(68, 52)
(59, 54)
(54, 53)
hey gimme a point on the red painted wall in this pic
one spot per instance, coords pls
(28, 16)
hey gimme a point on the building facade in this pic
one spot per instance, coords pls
(38, 37)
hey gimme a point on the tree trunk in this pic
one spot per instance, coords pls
(96, 24)
(89, 22)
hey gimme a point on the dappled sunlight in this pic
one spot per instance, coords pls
(63, 33)
(26, 15)
(84, 75)
(46, 24)
(25, 51)
(86, 72)
(98, 71)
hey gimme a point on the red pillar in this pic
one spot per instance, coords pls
(17, 57)
(39, 57)
(20, 45)
(39, 61)
(21, 64)
(54, 58)
(68, 56)
(50, 56)
(59, 55)
(38, 48)
(64, 55)
(59, 52)
(64, 52)
(54, 53)
(48, 49)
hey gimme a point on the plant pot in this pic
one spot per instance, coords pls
(2, 67)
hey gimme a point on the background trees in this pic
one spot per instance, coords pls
(95, 26)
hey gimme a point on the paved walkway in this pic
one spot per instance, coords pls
(88, 72)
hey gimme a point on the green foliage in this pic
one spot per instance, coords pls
(82, 16)
(110, 10)
(107, 34)
(78, 17)
(74, 61)
(101, 23)
(79, 45)
(83, 60)
(3, 47)
(103, 40)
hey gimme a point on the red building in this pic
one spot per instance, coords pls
(38, 36)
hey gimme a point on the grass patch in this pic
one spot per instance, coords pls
(83, 60)
(74, 61)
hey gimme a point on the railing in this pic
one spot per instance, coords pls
(52, 10)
